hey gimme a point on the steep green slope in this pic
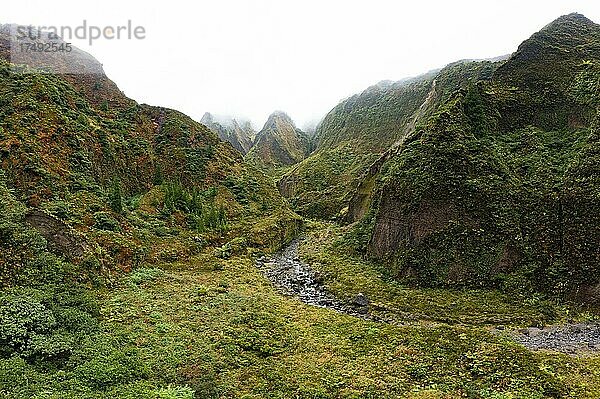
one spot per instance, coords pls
(116, 174)
(279, 144)
(59, 151)
(92, 185)
(357, 131)
(495, 188)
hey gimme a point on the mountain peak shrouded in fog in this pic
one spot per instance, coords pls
(278, 117)
(279, 143)
(239, 133)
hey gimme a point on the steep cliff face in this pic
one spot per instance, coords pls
(365, 127)
(280, 143)
(494, 188)
(240, 135)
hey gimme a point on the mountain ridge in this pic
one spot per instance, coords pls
(356, 132)
(279, 143)
(489, 179)
(240, 135)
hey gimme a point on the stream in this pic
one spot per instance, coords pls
(295, 278)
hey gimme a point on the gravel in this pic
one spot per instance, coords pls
(572, 339)
(295, 278)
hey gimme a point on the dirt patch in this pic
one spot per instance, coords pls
(394, 228)
(61, 238)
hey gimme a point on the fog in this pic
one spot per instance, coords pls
(248, 58)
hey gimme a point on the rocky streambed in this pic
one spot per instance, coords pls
(296, 278)
(572, 339)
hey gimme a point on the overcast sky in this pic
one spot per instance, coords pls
(250, 57)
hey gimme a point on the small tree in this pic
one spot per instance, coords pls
(116, 197)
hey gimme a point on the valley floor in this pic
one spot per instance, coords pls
(220, 328)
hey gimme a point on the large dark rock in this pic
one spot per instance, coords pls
(61, 238)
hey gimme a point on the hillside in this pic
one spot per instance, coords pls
(239, 134)
(94, 185)
(358, 130)
(494, 189)
(278, 144)
(117, 172)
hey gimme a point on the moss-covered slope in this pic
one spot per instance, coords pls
(360, 129)
(118, 174)
(279, 144)
(498, 186)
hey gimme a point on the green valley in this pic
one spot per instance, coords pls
(437, 238)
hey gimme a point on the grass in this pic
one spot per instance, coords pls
(209, 327)
(347, 275)
(218, 327)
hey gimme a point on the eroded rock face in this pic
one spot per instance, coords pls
(239, 134)
(394, 228)
(362, 197)
(287, 187)
(77, 67)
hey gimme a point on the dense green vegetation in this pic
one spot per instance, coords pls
(358, 130)
(91, 190)
(278, 145)
(128, 236)
(214, 327)
(483, 193)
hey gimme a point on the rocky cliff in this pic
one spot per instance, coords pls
(240, 134)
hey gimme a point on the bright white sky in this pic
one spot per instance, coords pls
(250, 57)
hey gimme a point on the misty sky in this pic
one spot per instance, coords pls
(249, 58)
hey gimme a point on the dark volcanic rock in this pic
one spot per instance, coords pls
(60, 237)
(294, 277)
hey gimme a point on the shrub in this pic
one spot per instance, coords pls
(23, 321)
(46, 323)
(115, 198)
(175, 393)
(105, 221)
(203, 214)
(106, 366)
(142, 275)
